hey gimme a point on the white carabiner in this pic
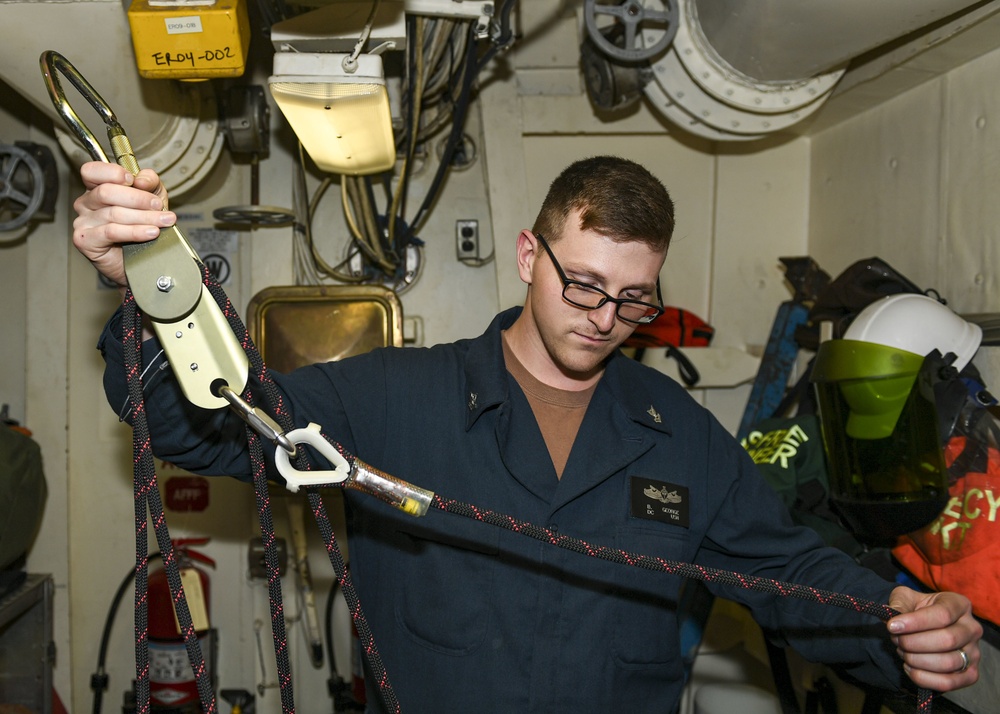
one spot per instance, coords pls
(295, 479)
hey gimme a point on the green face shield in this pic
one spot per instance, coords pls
(880, 431)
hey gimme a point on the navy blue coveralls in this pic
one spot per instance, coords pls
(472, 618)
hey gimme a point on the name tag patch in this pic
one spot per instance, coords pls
(660, 501)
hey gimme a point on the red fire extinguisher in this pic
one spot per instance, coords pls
(172, 682)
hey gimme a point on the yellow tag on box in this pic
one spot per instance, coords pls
(185, 40)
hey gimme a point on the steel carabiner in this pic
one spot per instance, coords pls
(51, 61)
(258, 420)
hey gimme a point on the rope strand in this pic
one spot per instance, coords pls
(146, 493)
(274, 399)
(687, 570)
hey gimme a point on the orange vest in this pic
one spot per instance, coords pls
(960, 550)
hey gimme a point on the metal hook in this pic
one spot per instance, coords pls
(258, 420)
(51, 61)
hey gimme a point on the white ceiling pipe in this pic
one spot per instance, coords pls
(697, 90)
(787, 40)
(703, 82)
(173, 126)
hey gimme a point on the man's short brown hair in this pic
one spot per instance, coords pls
(616, 197)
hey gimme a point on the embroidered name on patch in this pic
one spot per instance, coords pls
(660, 501)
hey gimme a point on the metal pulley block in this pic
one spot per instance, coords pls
(164, 274)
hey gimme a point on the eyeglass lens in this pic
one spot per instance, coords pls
(589, 297)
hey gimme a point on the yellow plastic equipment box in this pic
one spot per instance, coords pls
(190, 40)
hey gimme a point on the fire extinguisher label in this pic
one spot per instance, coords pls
(195, 595)
(167, 696)
(168, 664)
(171, 678)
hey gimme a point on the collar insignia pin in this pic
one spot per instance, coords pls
(472, 400)
(655, 414)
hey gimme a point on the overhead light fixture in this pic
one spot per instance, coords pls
(338, 106)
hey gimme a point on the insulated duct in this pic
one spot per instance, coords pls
(738, 70)
(173, 126)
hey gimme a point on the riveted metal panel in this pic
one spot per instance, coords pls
(876, 186)
(971, 146)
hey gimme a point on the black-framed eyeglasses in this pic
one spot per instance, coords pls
(589, 297)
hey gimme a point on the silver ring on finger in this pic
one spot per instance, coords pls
(965, 661)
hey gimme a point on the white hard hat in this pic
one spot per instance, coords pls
(916, 323)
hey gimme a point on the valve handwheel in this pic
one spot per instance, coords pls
(633, 17)
(255, 215)
(22, 187)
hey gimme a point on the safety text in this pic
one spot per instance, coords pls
(775, 446)
(977, 503)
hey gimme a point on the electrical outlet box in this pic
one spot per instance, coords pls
(467, 239)
(256, 557)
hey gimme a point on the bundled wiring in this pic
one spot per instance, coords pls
(415, 27)
(458, 123)
(306, 266)
(471, 68)
(354, 191)
(310, 267)
(271, 12)
(442, 60)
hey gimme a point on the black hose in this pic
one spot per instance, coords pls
(99, 679)
(339, 690)
(505, 38)
(473, 66)
(328, 628)
(458, 123)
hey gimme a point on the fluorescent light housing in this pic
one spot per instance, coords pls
(342, 118)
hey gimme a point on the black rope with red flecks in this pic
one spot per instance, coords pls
(341, 572)
(687, 570)
(147, 494)
(146, 491)
(779, 588)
